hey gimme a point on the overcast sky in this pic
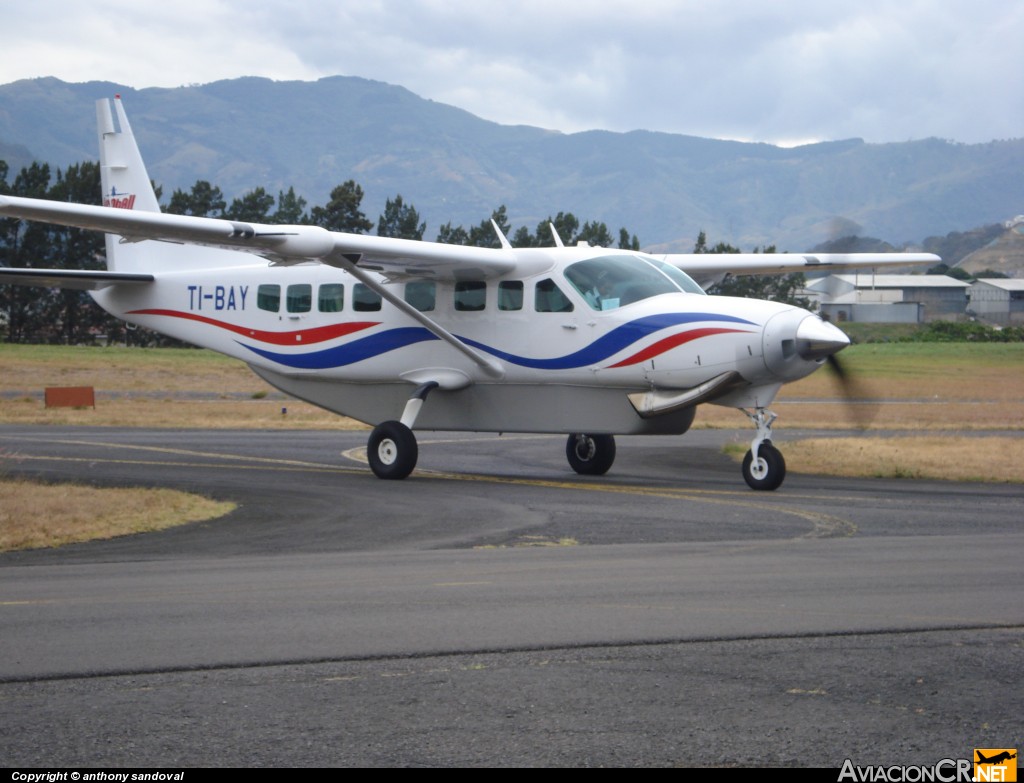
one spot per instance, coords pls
(785, 72)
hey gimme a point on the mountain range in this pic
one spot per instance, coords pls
(248, 132)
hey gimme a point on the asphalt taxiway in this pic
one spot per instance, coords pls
(494, 608)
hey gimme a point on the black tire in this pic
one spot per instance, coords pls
(590, 455)
(392, 450)
(773, 468)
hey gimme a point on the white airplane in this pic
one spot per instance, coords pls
(400, 334)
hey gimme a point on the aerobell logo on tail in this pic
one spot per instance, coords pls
(119, 200)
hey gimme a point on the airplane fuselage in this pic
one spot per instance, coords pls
(568, 362)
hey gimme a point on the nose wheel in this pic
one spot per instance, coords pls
(767, 471)
(764, 467)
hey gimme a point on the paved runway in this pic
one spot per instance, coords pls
(497, 609)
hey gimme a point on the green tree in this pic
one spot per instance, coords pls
(342, 212)
(291, 208)
(523, 238)
(951, 271)
(565, 223)
(452, 235)
(701, 245)
(400, 220)
(626, 242)
(53, 315)
(777, 288)
(203, 200)
(484, 236)
(594, 234)
(253, 207)
(74, 317)
(25, 244)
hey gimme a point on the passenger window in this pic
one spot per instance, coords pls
(470, 295)
(300, 298)
(331, 298)
(421, 294)
(510, 295)
(364, 298)
(548, 298)
(268, 297)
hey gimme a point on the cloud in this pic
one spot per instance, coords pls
(791, 70)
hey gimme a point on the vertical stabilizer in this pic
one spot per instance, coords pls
(125, 182)
(126, 185)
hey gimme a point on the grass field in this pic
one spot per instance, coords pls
(932, 392)
(928, 386)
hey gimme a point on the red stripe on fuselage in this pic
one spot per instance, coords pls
(671, 342)
(299, 337)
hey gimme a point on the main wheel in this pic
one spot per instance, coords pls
(590, 455)
(392, 450)
(769, 471)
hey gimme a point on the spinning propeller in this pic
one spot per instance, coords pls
(859, 409)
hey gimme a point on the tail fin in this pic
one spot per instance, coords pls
(122, 172)
(126, 185)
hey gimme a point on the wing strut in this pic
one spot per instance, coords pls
(347, 262)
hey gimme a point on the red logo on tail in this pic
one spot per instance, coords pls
(120, 201)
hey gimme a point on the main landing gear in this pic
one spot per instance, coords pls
(763, 467)
(590, 455)
(392, 449)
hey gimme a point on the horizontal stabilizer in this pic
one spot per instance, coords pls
(80, 280)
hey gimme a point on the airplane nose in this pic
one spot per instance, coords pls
(817, 339)
(796, 342)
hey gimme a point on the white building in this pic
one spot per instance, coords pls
(998, 301)
(868, 297)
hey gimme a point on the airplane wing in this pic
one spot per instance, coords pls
(78, 279)
(711, 267)
(282, 244)
(278, 243)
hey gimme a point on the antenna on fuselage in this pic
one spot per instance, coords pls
(554, 234)
(501, 237)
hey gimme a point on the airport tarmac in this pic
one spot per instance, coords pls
(497, 609)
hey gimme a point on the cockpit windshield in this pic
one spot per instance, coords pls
(610, 282)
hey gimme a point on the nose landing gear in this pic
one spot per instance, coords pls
(764, 467)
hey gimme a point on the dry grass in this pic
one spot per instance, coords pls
(936, 372)
(911, 416)
(36, 515)
(233, 397)
(174, 412)
(115, 369)
(994, 459)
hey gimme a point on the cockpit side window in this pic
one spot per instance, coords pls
(678, 276)
(615, 281)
